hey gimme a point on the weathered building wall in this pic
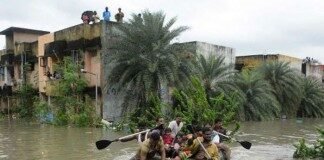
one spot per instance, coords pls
(314, 71)
(43, 61)
(24, 37)
(254, 61)
(81, 31)
(250, 61)
(226, 52)
(206, 49)
(112, 99)
(294, 62)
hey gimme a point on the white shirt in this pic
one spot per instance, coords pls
(175, 128)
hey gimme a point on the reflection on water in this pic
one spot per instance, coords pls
(25, 140)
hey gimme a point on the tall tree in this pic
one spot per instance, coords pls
(145, 58)
(260, 102)
(217, 77)
(312, 102)
(286, 85)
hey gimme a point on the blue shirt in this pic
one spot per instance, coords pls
(106, 15)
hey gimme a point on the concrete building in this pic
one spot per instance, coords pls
(206, 49)
(307, 67)
(89, 46)
(18, 62)
(253, 61)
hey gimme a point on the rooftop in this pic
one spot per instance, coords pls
(10, 30)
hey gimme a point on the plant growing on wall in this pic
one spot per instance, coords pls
(25, 96)
(70, 104)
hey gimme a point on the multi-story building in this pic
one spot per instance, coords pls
(89, 46)
(18, 61)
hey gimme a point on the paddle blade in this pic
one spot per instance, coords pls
(103, 144)
(245, 144)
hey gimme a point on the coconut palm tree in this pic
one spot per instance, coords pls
(260, 102)
(312, 102)
(216, 75)
(145, 59)
(285, 83)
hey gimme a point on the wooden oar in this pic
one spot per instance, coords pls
(245, 144)
(101, 144)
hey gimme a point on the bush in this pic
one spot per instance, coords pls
(42, 110)
(306, 151)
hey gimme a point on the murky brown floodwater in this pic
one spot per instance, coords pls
(20, 140)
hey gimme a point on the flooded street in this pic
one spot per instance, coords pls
(24, 140)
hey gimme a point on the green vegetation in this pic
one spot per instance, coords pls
(285, 82)
(145, 59)
(203, 87)
(70, 106)
(25, 106)
(312, 102)
(260, 103)
(193, 104)
(306, 151)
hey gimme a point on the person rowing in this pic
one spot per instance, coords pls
(218, 139)
(201, 148)
(151, 147)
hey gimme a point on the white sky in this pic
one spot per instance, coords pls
(290, 27)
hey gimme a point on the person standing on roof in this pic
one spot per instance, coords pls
(106, 15)
(95, 17)
(119, 16)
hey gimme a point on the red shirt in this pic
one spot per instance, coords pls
(167, 139)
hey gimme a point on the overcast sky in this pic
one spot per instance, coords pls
(290, 27)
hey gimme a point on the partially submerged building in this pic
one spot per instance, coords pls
(18, 61)
(308, 68)
(253, 61)
(89, 46)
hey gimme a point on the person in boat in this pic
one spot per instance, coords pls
(218, 139)
(168, 141)
(179, 143)
(151, 147)
(197, 152)
(176, 125)
(160, 121)
(141, 137)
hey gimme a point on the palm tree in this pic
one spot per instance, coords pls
(216, 75)
(260, 102)
(312, 102)
(285, 83)
(145, 58)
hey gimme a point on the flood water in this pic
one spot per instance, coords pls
(21, 140)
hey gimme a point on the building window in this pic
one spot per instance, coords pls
(2, 73)
(43, 61)
(76, 56)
